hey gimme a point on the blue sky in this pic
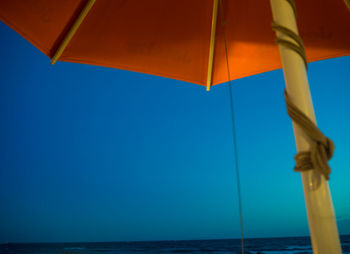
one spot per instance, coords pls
(97, 154)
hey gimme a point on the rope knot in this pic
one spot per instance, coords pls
(321, 149)
(317, 158)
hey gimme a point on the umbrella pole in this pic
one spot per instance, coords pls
(320, 212)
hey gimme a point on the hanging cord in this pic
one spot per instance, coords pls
(223, 23)
(322, 148)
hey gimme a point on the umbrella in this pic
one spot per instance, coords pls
(183, 40)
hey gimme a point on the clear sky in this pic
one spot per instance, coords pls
(96, 154)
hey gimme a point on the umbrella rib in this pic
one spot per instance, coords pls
(73, 29)
(212, 43)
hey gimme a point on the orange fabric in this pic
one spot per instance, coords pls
(171, 38)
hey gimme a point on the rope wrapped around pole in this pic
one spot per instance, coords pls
(322, 148)
(313, 148)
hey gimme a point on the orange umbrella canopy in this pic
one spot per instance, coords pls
(171, 38)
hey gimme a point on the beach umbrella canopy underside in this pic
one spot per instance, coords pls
(172, 38)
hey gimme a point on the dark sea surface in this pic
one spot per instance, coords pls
(295, 245)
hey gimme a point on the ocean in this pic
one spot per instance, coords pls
(288, 245)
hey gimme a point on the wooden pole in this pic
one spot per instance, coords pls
(320, 212)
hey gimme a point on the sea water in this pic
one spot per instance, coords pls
(290, 245)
